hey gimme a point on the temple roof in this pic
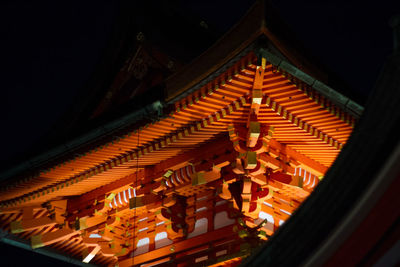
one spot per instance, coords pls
(253, 74)
(228, 63)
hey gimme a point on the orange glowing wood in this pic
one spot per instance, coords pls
(253, 134)
(56, 210)
(90, 197)
(274, 163)
(99, 243)
(310, 164)
(49, 238)
(32, 224)
(200, 178)
(256, 93)
(215, 235)
(27, 213)
(182, 166)
(87, 222)
(89, 253)
(217, 146)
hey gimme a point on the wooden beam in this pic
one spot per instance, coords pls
(87, 222)
(49, 238)
(76, 203)
(256, 92)
(219, 146)
(28, 225)
(309, 164)
(89, 253)
(196, 154)
(180, 246)
(274, 163)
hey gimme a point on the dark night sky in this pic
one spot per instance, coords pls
(48, 53)
(50, 50)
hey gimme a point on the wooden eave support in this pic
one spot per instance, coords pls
(203, 177)
(180, 246)
(49, 238)
(89, 253)
(200, 178)
(28, 225)
(217, 147)
(94, 246)
(87, 222)
(55, 216)
(201, 125)
(301, 124)
(254, 132)
(309, 164)
(148, 176)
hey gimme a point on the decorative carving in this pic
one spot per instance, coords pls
(175, 215)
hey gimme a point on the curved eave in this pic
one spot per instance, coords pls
(300, 123)
(339, 99)
(37, 163)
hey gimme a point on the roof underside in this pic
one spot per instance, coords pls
(310, 120)
(210, 93)
(303, 119)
